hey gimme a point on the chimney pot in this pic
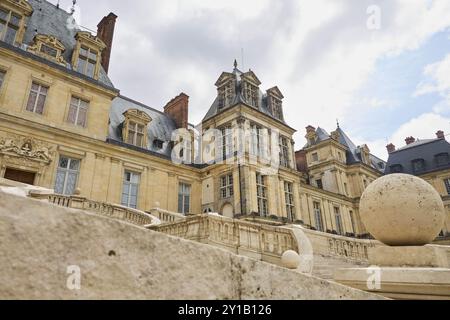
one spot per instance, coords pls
(105, 31)
(440, 134)
(390, 148)
(410, 140)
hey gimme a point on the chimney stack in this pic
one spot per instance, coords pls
(390, 148)
(410, 140)
(310, 129)
(105, 31)
(440, 134)
(178, 110)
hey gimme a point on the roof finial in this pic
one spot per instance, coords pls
(338, 125)
(72, 10)
(235, 64)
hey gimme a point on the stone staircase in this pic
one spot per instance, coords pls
(324, 266)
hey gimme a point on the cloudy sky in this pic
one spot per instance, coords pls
(331, 59)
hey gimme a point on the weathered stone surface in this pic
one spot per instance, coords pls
(426, 256)
(402, 210)
(401, 283)
(120, 261)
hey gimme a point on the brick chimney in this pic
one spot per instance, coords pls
(301, 161)
(105, 31)
(410, 140)
(310, 129)
(440, 134)
(390, 148)
(178, 110)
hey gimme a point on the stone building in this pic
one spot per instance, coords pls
(428, 159)
(65, 126)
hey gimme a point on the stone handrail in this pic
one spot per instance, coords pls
(166, 216)
(129, 215)
(262, 242)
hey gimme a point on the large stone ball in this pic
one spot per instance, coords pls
(402, 210)
(290, 259)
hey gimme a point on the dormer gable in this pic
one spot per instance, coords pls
(224, 78)
(86, 57)
(251, 77)
(12, 20)
(135, 126)
(275, 92)
(48, 47)
(275, 102)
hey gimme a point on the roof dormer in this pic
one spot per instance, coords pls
(275, 102)
(250, 88)
(87, 54)
(12, 20)
(226, 89)
(134, 130)
(48, 47)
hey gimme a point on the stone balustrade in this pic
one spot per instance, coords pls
(166, 216)
(262, 242)
(129, 215)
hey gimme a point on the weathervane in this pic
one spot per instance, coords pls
(72, 10)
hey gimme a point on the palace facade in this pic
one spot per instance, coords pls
(65, 126)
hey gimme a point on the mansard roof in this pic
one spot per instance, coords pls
(160, 127)
(425, 150)
(237, 76)
(47, 19)
(353, 152)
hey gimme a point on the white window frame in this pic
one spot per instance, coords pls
(66, 171)
(78, 106)
(184, 191)
(226, 186)
(261, 194)
(39, 93)
(318, 216)
(289, 199)
(126, 189)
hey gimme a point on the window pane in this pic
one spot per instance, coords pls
(71, 183)
(15, 20)
(84, 51)
(93, 55)
(59, 183)
(74, 164)
(40, 104)
(90, 69)
(82, 113)
(4, 15)
(71, 117)
(81, 65)
(31, 101)
(10, 34)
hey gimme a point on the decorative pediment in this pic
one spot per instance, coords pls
(19, 6)
(224, 78)
(251, 77)
(49, 47)
(27, 148)
(275, 92)
(90, 40)
(138, 116)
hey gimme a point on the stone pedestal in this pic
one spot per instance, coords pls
(399, 282)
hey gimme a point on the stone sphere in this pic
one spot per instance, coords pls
(290, 259)
(402, 210)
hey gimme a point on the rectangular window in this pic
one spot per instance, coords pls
(49, 50)
(37, 97)
(284, 152)
(319, 183)
(447, 185)
(78, 112)
(184, 198)
(257, 140)
(130, 189)
(318, 216)
(2, 78)
(289, 197)
(226, 186)
(352, 219)
(9, 25)
(136, 134)
(339, 227)
(315, 157)
(261, 191)
(67, 175)
(277, 109)
(226, 142)
(87, 61)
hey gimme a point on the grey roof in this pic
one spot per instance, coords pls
(353, 152)
(47, 19)
(426, 150)
(238, 98)
(160, 128)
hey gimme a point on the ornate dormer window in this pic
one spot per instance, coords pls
(364, 152)
(250, 88)
(275, 100)
(87, 54)
(48, 47)
(12, 21)
(226, 94)
(225, 89)
(134, 129)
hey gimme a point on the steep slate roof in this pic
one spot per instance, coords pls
(422, 149)
(353, 152)
(239, 99)
(47, 19)
(160, 128)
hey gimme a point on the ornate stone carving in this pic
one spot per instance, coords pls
(26, 148)
(42, 41)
